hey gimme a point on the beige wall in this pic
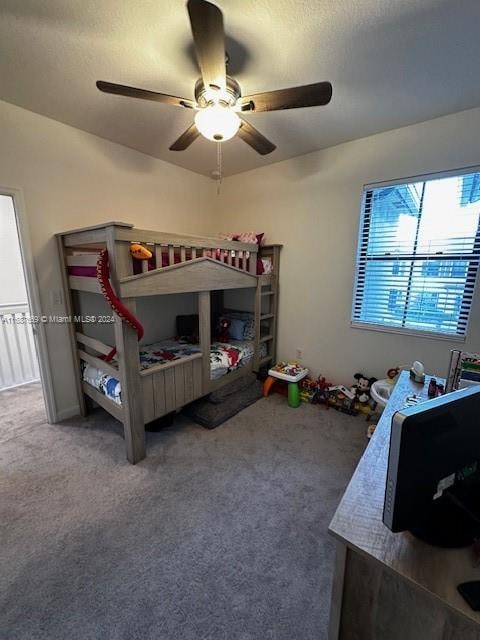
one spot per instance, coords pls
(312, 205)
(72, 179)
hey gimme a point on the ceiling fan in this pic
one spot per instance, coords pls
(218, 97)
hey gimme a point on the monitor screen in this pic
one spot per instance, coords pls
(434, 451)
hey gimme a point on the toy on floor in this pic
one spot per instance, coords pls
(392, 374)
(342, 399)
(361, 388)
(364, 403)
(140, 252)
(314, 391)
(292, 372)
(371, 430)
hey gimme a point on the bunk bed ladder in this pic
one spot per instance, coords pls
(266, 309)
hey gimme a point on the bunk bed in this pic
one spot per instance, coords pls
(146, 382)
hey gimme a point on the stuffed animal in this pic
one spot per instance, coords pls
(361, 388)
(140, 252)
(224, 325)
(392, 374)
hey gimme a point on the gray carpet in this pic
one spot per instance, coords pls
(217, 535)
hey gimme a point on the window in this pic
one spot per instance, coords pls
(418, 255)
(395, 301)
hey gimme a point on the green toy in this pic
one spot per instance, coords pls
(293, 395)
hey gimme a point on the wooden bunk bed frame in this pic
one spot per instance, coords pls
(154, 392)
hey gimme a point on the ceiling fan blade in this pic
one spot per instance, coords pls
(308, 95)
(186, 139)
(254, 138)
(209, 38)
(143, 94)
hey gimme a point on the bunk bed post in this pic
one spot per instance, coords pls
(127, 355)
(128, 360)
(205, 337)
(252, 263)
(258, 311)
(67, 293)
(275, 288)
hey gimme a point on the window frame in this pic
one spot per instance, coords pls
(383, 328)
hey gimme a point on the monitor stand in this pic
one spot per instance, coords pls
(449, 522)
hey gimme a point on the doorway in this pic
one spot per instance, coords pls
(22, 371)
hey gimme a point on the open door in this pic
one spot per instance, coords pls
(21, 371)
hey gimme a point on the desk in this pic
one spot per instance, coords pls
(392, 586)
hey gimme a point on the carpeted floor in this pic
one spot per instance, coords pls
(217, 535)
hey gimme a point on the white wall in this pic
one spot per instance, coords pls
(12, 281)
(73, 179)
(312, 205)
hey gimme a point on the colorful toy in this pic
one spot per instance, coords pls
(342, 399)
(361, 388)
(314, 391)
(103, 276)
(140, 252)
(292, 372)
(392, 374)
(291, 368)
(371, 430)
(364, 403)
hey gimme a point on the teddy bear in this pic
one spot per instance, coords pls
(361, 388)
(223, 328)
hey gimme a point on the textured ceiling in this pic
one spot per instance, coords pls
(391, 63)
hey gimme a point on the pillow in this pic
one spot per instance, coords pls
(247, 236)
(267, 265)
(249, 330)
(248, 318)
(250, 236)
(236, 329)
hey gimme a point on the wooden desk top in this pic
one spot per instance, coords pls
(358, 521)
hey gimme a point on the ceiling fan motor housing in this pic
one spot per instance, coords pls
(208, 95)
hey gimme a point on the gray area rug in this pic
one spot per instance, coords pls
(217, 535)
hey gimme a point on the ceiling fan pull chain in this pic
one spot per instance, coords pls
(219, 167)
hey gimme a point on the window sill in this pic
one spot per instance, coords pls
(430, 335)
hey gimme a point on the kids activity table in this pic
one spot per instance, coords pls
(293, 392)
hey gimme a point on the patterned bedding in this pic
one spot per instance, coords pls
(224, 357)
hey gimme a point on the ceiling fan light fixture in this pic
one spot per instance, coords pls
(217, 123)
(218, 96)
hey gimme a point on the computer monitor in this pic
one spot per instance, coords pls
(433, 486)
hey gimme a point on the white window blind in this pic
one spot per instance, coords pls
(418, 255)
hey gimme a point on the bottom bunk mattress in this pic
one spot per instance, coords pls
(224, 357)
